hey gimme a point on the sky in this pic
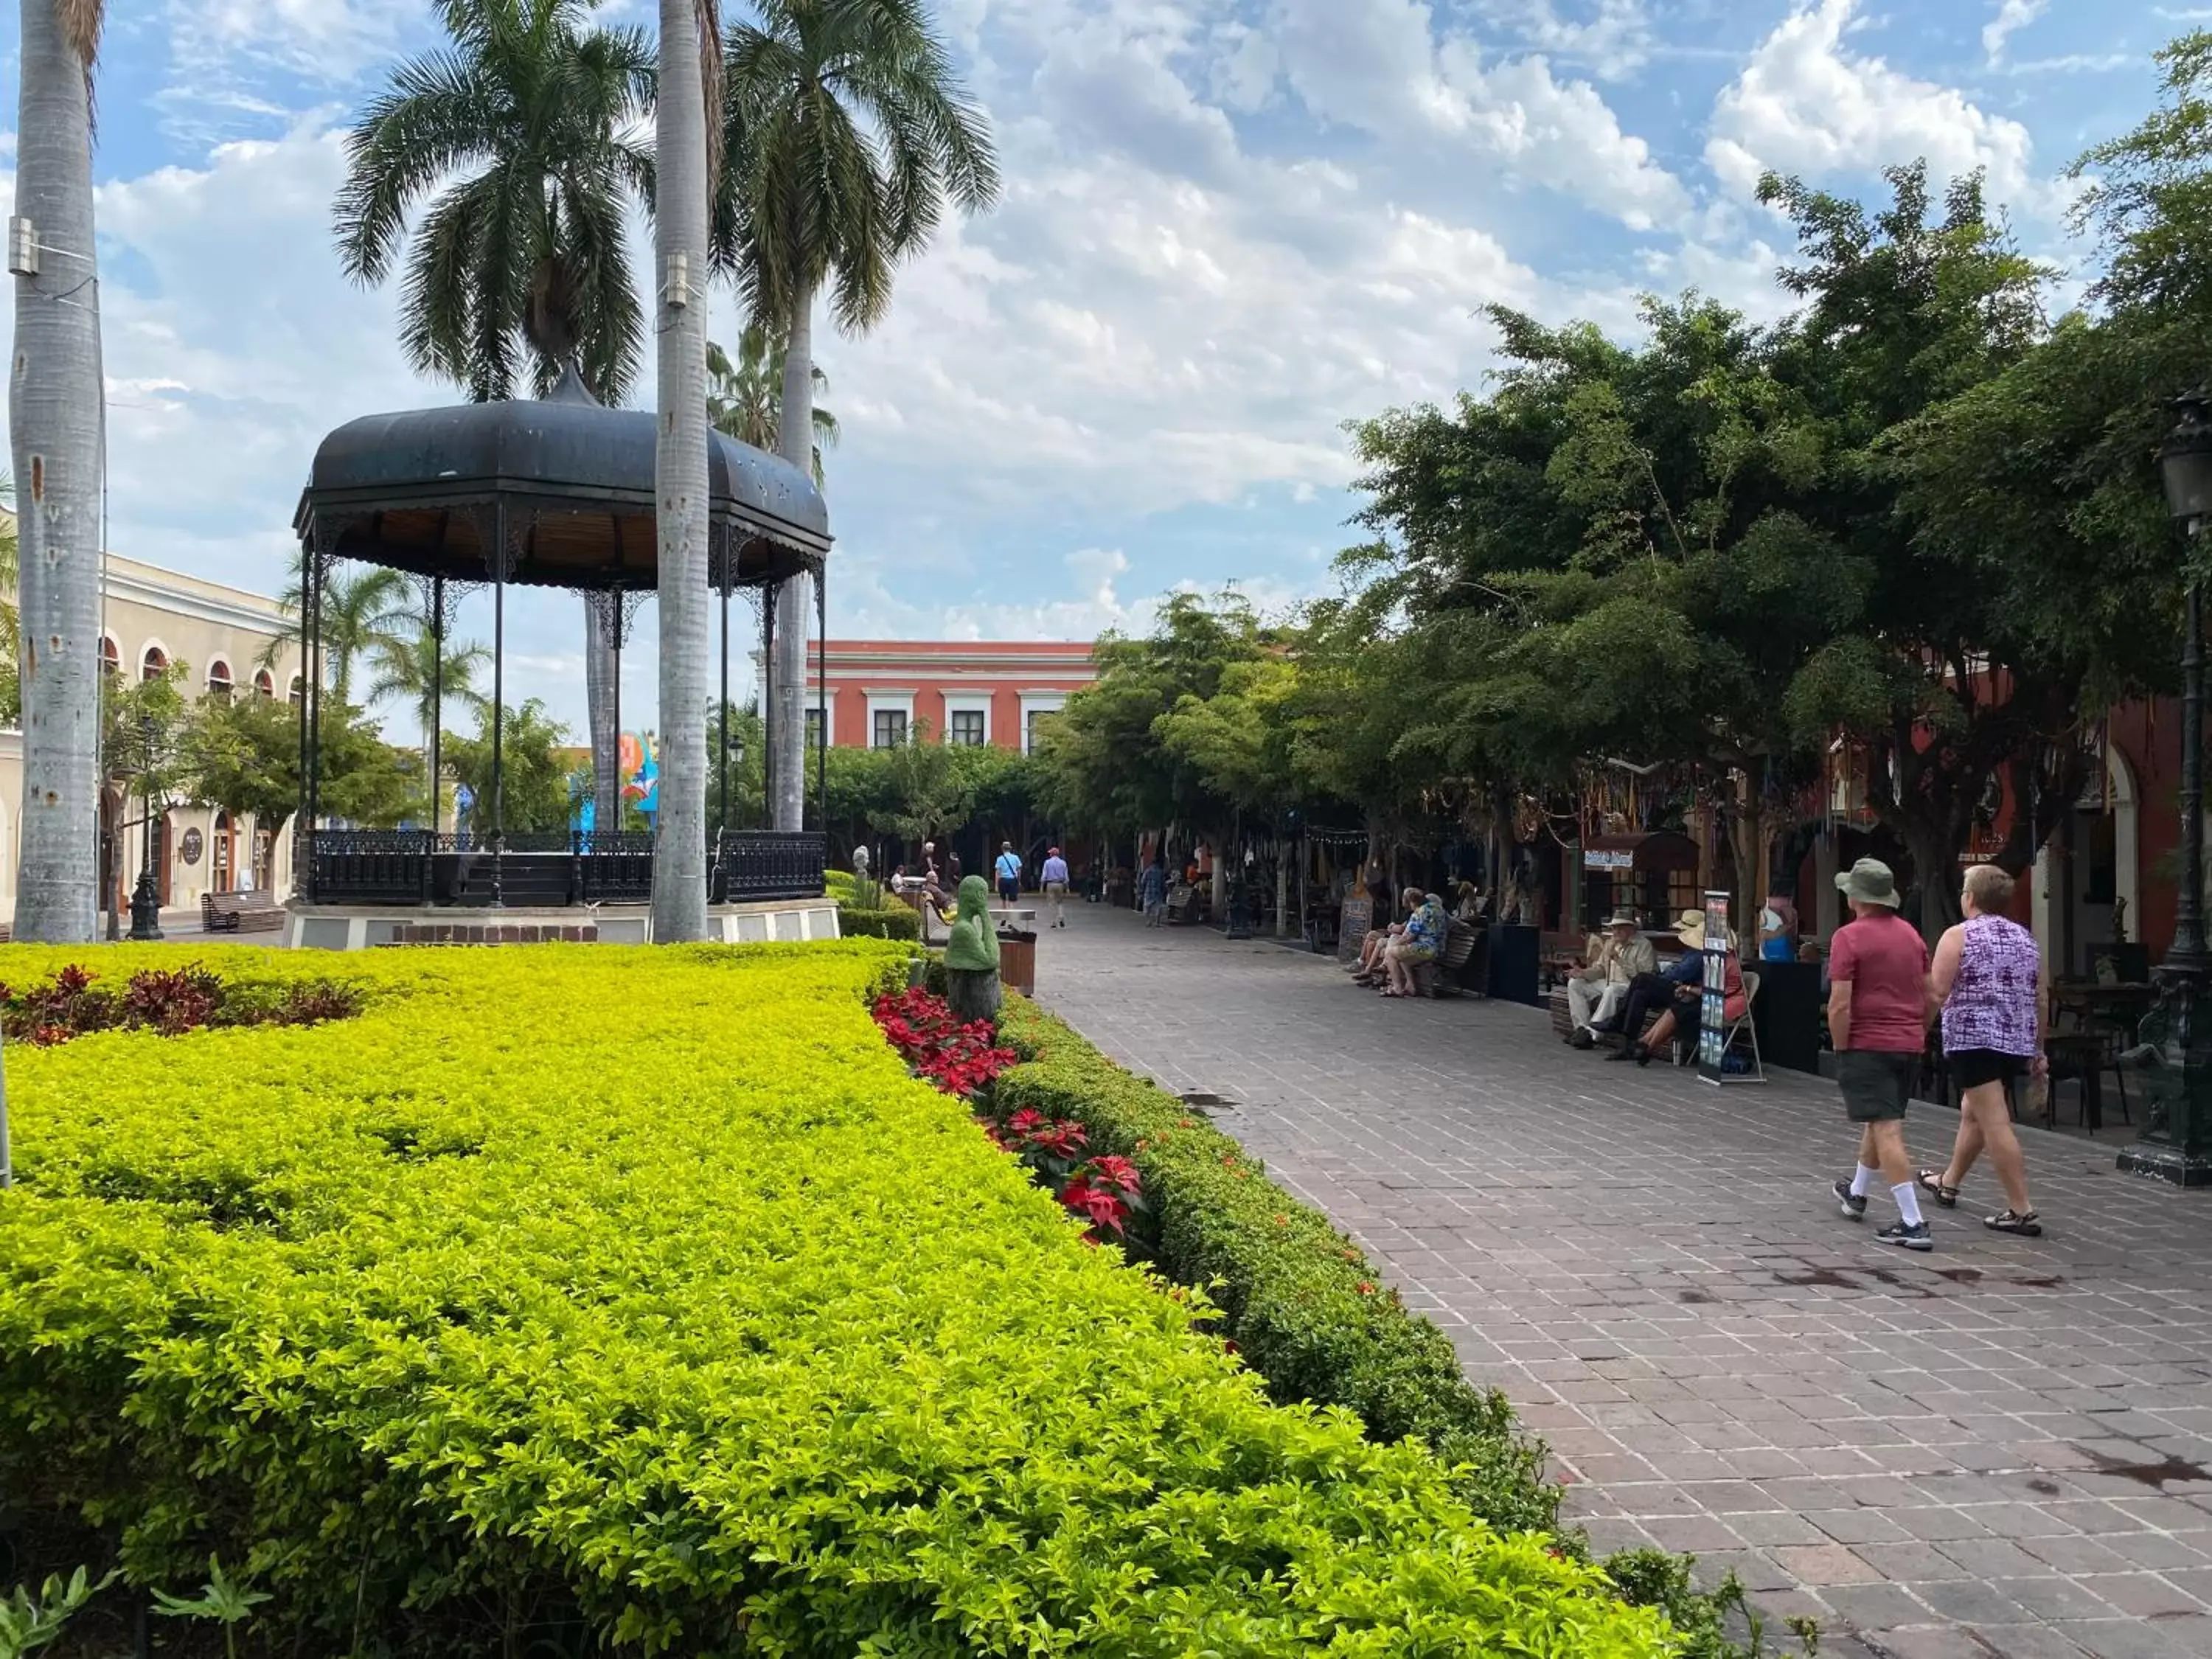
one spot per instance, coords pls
(1228, 227)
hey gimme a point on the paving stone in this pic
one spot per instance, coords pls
(1650, 1268)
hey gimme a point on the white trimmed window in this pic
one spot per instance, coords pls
(967, 720)
(890, 718)
(1035, 705)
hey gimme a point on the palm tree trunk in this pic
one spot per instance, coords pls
(54, 422)
(794, 605)
(679, 863)
(599, 671)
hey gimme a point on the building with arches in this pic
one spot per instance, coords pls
(233, 643)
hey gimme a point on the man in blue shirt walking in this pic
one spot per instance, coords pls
(1009, 869)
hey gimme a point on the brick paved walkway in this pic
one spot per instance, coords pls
(1994, 1451)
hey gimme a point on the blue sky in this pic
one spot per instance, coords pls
(1229, 225)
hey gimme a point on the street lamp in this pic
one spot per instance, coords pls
(2177, 1139)
(146, 897)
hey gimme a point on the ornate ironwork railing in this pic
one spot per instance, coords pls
(557, 871)
(769, 864)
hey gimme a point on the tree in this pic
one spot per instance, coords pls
(242, 754)
(54, 423)
(927, 792)
(533, 778)
(689, 109)
(744, 399)
(524, 138)
(363, 612)
(847, 131)
(423, 673)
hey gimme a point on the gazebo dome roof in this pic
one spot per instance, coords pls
(421, 491)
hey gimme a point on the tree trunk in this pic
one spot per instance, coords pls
(54, 398)
(1751, 835)
(794, 602)
(679, 862)
(600, 670)
(1935, 873)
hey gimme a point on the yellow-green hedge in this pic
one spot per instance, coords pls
(644, 1288)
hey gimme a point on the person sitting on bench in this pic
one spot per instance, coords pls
(1596, 992)
(1685, 979)
(1417, 942)
(1370, 969)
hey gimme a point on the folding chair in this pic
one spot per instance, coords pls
(1742, 1027)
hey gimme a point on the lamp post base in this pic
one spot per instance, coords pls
(2167, 1163)
(145, 911)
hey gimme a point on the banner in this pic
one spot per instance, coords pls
(1712, 1019)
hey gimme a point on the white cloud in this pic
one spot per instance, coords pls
(1617, 40)
(1808, 104)
(2012, 16)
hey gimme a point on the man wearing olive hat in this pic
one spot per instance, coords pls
(1878, 1013)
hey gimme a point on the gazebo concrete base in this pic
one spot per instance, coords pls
(367, 928)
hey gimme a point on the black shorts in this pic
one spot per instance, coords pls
(1876, 1084)
(1972, 1067)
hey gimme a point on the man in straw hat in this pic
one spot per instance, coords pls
(1595, 992)
(1878, 1013)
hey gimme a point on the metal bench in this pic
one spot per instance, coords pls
(256, 912)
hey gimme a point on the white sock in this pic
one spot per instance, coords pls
(1862, 1182)
(1908, 1203)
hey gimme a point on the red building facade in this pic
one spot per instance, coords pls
(962, 691)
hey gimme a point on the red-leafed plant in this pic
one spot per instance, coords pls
(170, 1001)
(960, 1057)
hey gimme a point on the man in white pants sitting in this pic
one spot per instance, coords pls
(1597, 991)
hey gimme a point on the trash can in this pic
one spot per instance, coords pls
(1018, 961)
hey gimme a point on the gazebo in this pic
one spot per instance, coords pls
(557, 493)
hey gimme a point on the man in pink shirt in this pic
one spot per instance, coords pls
(1878, 1013)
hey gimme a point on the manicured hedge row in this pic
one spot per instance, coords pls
(581, 1294)
(1304, 1306)
(898, 921)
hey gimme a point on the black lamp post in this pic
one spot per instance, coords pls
(2177, 1139)
(146, 897)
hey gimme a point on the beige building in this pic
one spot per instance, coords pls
(151, 619)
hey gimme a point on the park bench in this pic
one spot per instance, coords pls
(256, 912)
(1455, 971)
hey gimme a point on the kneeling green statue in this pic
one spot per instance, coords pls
(971, 956)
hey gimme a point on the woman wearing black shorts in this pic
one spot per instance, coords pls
(1987, 976)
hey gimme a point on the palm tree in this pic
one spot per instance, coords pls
(529, 130)
(690, 156)
(744, 399)
(363, 612)
(847, 131)
(412, 670)
(54, 421)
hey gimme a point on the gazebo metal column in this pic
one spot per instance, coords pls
(437, 698)
(767, 707)
(723, 814)
(822, 697)
(499, 558)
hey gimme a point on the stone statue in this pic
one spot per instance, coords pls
(971, 956)
(861, 862)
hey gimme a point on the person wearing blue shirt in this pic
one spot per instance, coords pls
(1009, 870)
(1054, 878)
(1152, 891)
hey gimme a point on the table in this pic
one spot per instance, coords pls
(2117, 1004)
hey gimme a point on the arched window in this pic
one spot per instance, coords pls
(154, 664)
(299, 690)
(266, 684)
(111, 656)
(219, 680)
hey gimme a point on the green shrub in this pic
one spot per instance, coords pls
(1305, 1309)
(898, 921)
(587, 1296)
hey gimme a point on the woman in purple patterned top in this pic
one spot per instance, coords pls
(1988, 976)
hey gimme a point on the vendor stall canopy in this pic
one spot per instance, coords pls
(573, 480)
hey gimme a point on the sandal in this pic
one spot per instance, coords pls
(2015, 1221)
(1930, 1181)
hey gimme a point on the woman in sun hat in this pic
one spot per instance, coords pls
(1687, 1010)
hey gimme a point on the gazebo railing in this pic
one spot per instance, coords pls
(555, 870)
(772, 863)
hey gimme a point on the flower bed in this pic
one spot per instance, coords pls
(570, 1296)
